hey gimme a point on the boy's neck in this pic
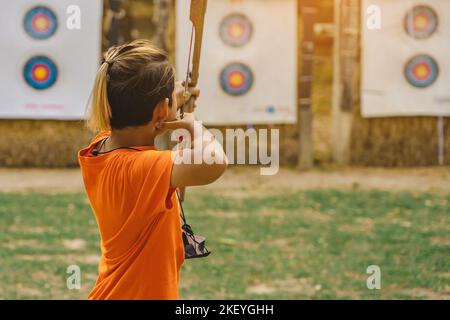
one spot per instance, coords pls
(129, 137)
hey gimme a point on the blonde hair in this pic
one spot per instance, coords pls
(132, 80)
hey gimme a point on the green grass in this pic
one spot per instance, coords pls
(306, 245)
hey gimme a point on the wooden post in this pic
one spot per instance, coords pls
(345, 75)
(161, 22)
(441, 140)
(305, 114)
(118, 22)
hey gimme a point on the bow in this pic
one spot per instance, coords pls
(197, 17)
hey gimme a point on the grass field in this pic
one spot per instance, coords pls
(312, 244)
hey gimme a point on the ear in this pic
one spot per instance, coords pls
(161, 112)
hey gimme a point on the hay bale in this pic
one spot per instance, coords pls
(288, 148)
(50, 144)
(397, 142)
(54, 144)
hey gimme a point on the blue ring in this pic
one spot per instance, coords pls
(29, 77)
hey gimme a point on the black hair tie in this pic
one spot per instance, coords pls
(109, 63)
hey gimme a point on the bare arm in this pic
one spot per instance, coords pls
(193, 166)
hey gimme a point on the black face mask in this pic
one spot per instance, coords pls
(194, 245)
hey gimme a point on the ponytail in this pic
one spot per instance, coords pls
(100, 113)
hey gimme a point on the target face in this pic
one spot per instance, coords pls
(236, 30)
(421, 22)
(40, 73)
(40, 23)
(422, 71)
(236, 79)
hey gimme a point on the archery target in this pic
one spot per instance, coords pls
(40, 22)
(48, 70)
(405, 65)
(421, 71)
(248, 69)
(236, 79)
(236, 30)
(421, 22)
(40, 73)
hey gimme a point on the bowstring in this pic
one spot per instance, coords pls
(188, 71)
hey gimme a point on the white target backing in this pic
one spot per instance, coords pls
(405, 65)
(47, 70)
(248, 71)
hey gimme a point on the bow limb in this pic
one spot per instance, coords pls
(197, 17)
(198, 13)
